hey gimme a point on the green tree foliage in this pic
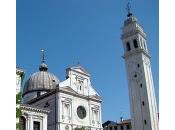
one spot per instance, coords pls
(18, 109)
(18, 98)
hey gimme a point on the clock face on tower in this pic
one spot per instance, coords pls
(136, 76)
(81, 112)
(135, 71)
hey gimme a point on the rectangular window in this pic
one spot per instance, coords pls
(143, 103)
(115, 127)
(36, 125)
(145, 122)
(128, 127)
(38, 94)
(141, 85)
(138, 65)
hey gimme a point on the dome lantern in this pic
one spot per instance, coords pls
(42, 80)
(43, 67)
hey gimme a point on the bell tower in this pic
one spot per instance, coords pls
(140, 82)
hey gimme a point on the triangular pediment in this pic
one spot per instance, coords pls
(80, 69)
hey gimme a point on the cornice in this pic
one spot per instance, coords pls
(54, 91)
(131, 33)
(128, 54)
(34, 108)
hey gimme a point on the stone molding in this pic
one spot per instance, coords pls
(34, 109)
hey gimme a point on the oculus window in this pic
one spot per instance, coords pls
(81, 112)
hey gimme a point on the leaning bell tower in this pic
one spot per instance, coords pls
(140, 82)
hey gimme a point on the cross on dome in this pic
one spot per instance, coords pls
(43, 56)
(43, 66)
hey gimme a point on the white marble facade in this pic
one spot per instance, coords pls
(73, 104)
(33, 118)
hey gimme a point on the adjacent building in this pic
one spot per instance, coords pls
(32, 118)
(19, 79)
(122, 125)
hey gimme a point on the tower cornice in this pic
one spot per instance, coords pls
(133, 32)
(128, 54)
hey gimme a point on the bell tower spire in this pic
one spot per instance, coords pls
(140, 82)
(128, 8)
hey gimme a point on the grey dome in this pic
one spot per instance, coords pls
(40, 81)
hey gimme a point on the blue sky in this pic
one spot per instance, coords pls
(85, 31)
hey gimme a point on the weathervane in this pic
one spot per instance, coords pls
(43, 56)
(128, 8)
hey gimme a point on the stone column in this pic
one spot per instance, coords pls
(27, 123)
(31, 123)
(45, 122)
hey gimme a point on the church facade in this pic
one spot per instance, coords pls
(51, 104)
(71, 104)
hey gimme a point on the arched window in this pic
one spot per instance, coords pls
(128, 46)
(135, 43)
(22, 121)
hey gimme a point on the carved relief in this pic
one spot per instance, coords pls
(66, 109)
(95, 115)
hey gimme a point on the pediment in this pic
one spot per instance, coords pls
(80, 69)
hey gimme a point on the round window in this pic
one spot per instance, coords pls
(81, 112)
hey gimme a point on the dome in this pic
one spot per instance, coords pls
(40, 81)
